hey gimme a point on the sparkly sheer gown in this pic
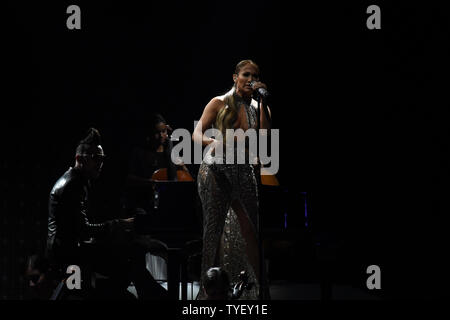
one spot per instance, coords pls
(218, 186)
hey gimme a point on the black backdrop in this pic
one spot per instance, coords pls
(362, 113)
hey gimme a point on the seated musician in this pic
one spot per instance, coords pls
(73, 238)
(150, 161)
(146, 159)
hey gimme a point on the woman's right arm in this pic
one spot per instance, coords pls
(207, 119)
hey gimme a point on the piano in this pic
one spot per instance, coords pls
(176, 222)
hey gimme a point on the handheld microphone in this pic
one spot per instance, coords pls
(262, 92)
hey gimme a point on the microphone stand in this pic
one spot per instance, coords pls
(262, 269)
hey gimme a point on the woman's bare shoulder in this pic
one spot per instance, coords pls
(220, 99)
(217, 102)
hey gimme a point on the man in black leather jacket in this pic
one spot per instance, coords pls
(74, 240)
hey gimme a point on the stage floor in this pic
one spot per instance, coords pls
(284, 290)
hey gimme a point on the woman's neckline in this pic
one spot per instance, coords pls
(241, 99)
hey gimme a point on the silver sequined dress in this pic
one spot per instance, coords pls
(218, 186)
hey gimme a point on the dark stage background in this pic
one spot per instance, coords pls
(363, 119)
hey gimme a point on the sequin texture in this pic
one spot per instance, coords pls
(223, 241)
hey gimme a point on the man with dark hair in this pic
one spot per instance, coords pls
(74, 240)
(68, 221)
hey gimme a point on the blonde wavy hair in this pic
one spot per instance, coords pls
(227, 116)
